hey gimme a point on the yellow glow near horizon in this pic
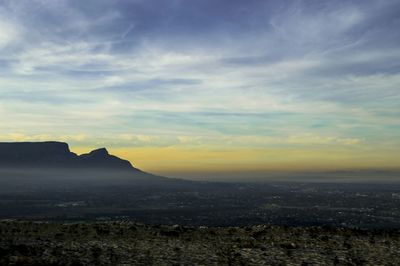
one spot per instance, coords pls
(176, 161)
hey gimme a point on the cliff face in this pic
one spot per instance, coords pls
(101, 158)
(35, 153)
(56, 154)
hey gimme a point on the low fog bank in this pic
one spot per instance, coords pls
(61, 178)
(356, 176)
(34, 178)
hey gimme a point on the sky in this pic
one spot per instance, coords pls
(203, 88)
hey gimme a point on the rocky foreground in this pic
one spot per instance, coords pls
(125, 243)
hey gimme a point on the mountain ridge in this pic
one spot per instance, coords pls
(55, 154)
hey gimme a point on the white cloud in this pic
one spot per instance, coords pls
(9, 33)
(21, 137)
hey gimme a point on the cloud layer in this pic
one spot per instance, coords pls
(205, 74)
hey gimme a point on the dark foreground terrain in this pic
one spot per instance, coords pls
(127, 243)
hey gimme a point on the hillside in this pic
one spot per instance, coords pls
(124, 243)
(53, 154)
(28, 166)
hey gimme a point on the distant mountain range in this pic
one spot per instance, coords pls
(28, 166)
(54, 154)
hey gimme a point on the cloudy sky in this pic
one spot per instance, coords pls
(196, 88)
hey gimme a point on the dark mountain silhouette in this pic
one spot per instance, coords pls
(57, 155)
(27, 166)
(36, 154)
(100, 158)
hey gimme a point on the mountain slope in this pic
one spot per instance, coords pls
(26, 166)
(56, 155)
(100, 158)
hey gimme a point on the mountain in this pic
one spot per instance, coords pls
(32, 166)
(100, 158)
(35, 154)
(54, 154)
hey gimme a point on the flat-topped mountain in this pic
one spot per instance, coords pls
(32, 166)
(54, 154)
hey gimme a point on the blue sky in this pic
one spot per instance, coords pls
(206, 76)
